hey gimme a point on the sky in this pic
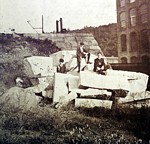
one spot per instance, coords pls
(76, 14)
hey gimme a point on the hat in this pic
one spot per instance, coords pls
(61, 60)
(99, 53)
(81, 43)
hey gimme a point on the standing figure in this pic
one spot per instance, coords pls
(82, 53)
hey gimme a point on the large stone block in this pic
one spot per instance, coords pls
(45, 86)
(41, 65)
(138, 104)
(136, 96)
(60, 86)
(93, 80)
(73, 82)
(39, 88)
(138, 85)
(64, 100)
(48, 80)
(63, 84)
(127, 74)
(19, 97)
(28, 68)
(93, 93)
(137, 81)
(48, 93)
(91, 103)
(72, 65)
(90, 91)
(72, 62)
(66, 55)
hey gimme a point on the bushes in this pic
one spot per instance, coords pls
(12, 70)
(44, 47)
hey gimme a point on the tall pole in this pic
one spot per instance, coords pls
(42, 25)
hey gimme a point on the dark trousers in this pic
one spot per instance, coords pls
(87, 59)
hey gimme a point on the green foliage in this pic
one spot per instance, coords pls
(6, 39)
(106, 37)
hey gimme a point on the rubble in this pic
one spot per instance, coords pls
(19, 97)
(19, 81)
(135, 100)
(132, 97)
(145, 103)
(64, 100)
(91, 103)
(45, 86)
(86, 88)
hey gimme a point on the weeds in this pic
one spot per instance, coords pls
(48, 125)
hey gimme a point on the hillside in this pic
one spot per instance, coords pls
(106, 37)
(13, 49)
(67, 125)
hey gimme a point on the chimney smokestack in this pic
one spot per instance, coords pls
(57, 26)
(61, 24)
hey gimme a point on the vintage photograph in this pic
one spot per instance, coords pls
(74, 72)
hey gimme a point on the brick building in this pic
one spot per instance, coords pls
(133, 26)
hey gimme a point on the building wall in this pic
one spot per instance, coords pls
(133, 29)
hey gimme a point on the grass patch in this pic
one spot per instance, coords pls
(48, 125)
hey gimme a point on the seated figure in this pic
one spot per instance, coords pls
(61, 68)
(100, 66)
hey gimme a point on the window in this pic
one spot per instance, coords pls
(133, 16)
(122, 3)
(144, 13)
(131, 1)
(123, 20)
(133, 41)
(145, 59)
(134, 59)
(123, 42)
(124, 60)
(145, 40)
